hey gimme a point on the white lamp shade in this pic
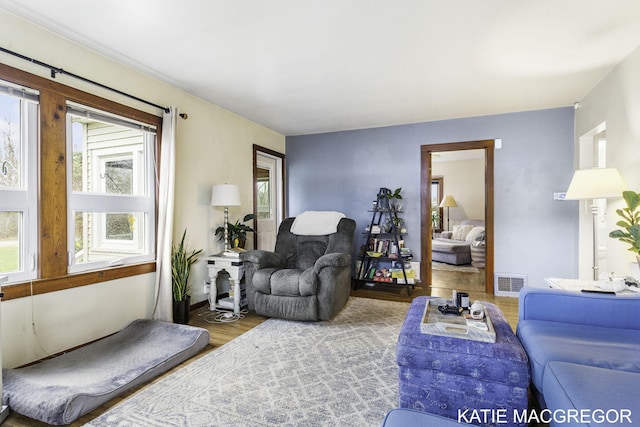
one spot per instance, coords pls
(597, 183)
(225, 195)
(448, 202)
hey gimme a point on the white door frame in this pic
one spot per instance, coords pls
(279, 185)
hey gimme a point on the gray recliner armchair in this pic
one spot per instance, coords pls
(305, 278)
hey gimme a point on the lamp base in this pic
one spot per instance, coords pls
(230, 253)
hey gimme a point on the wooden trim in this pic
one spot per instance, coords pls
(52, 205)
(425, 196)
(41, 84)
(43, 286)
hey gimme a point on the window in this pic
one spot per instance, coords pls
(436, 198)
(57, 219)
(263, 185)
(18, 180)
(112, 191)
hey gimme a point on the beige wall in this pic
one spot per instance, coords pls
(213, 146)
(616, 102)
(464, 180)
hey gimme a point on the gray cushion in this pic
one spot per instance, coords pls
(286, 282)
(450, 246)
(60, 390)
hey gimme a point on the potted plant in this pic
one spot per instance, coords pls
(181, 262)
(237, 232)
(398, 222)
(394, 197)
(630, 223)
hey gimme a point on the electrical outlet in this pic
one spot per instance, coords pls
(207, 288)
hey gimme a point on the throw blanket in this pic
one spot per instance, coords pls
(316, 223)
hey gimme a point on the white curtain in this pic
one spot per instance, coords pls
(163, 309)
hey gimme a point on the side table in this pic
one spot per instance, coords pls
(235, 268)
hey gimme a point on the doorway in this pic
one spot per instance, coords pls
(268, 196)
(427, 155)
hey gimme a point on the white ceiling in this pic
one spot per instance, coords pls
(303, 66)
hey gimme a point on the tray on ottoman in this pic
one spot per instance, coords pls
(435, 323)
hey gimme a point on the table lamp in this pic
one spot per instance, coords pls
(226, 195)
(597, 183)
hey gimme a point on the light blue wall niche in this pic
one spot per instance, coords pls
(534, 234)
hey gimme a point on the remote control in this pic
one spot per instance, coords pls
(594, 291)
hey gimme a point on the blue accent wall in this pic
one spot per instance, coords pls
(534, 234)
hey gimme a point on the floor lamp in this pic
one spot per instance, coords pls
(448, 202)
(593, 184)
(226, 195)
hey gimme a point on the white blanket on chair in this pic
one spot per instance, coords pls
(316, 223)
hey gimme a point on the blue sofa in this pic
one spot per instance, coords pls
(584, 351)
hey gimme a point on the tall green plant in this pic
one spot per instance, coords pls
(181, 262)
(630, 222)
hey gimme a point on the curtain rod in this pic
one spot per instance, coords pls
(57, 70)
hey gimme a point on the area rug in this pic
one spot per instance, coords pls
(340, 372)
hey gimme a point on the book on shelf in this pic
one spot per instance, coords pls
(383, 279)
(397, 273)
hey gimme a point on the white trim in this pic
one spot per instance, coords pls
(24, 200)
(95, 201)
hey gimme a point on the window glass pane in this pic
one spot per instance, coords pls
(103, 236)
(264, 193)
(9, 242)
(119, 175)
(107, 158)
(119, 226)
(10, 144)
(264, 196)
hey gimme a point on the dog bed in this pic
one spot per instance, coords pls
(60, 390)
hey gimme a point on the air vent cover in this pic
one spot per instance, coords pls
(507, 284)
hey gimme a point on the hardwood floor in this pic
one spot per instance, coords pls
(508, 305)
(221, 333)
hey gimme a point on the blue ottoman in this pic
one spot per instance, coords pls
(412, 418)
(484, 382)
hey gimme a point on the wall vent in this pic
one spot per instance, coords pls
(507, 284)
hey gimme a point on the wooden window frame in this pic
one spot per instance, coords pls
(52, 204)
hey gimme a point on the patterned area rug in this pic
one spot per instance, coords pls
(341, 372)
